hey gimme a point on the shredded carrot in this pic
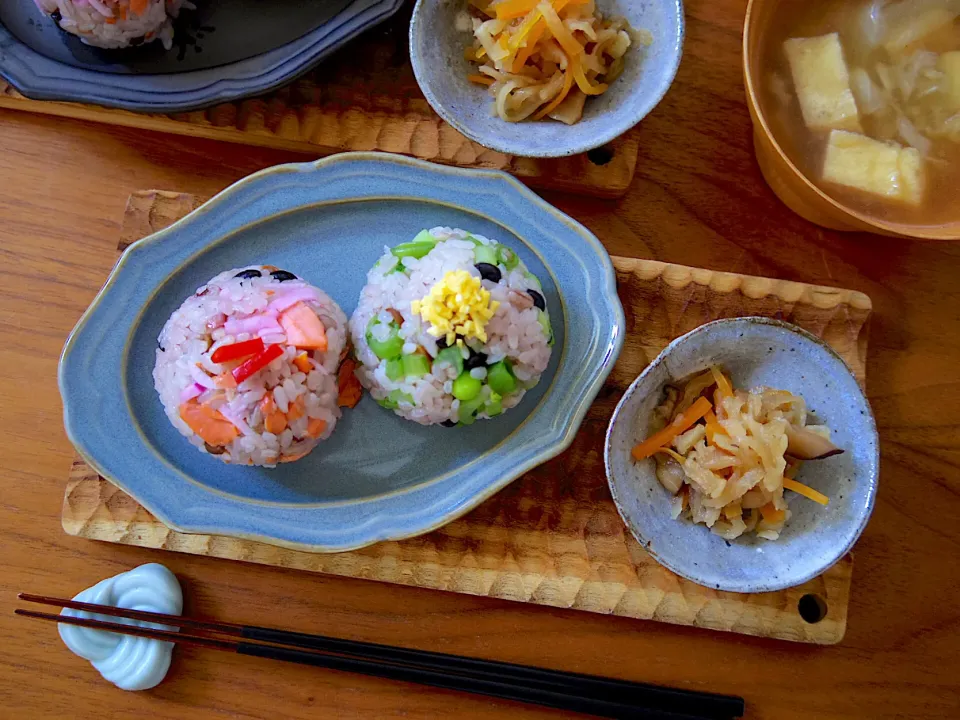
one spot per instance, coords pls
(672, 453)
(349, 386)
(139, 6)
(564, 91)
(559, 30)
(683, 422)
(527, 50)
(526, 27)
(480, 79)
(582, 81)
(110, 21)
(713, 427)
(806, 491)
(302, 361)
(510, 9)
(771, 514)
(726, 389)
(316, 426)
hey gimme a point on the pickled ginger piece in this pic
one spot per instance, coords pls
(822, 82)
(885, 169)
(949, 65)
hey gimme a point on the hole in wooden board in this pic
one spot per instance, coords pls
(812, 608)
(601, 155)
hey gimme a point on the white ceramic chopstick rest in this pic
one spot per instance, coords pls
(130, 663)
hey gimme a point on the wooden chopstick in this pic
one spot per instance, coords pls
(571, 691)
(694, 703)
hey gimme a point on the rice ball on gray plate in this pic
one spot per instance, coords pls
(451, 327)
(116, 24)
(247, 367)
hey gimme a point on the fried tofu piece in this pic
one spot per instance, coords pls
(884, 169)
(949, 65)
(822, 83)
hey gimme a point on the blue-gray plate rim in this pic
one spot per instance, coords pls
(41, 78)
(110, 417)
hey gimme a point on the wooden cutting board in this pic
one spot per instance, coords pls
(364, 97)
(553, 537)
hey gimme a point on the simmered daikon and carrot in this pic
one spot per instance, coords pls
(727, 455)
(543, 58)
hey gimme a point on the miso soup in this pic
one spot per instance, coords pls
(864, 97)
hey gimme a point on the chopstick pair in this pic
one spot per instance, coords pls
(590, 694)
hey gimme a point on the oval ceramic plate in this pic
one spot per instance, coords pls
(753, 352)
(44, 63)
(379, 477)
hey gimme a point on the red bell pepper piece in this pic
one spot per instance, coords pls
(257, 362)
(225, 353)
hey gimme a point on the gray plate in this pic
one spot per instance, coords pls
(229, 50)
(753, 351)
(218, 32)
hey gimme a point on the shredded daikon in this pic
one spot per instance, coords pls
(731, 478)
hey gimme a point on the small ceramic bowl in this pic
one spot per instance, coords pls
(794, 188)
(436, 52)
(753, 352)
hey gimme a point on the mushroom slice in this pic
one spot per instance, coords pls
(806, 445)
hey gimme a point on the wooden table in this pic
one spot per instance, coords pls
(698, 199)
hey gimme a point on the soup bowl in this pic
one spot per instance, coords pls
(790, 184)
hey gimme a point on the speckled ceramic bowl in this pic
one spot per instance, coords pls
(753, 351)
(436, 52)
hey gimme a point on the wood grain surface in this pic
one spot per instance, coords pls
(554, 536)
(697, 199)
(363, 98)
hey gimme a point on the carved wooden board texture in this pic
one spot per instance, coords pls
(363, 98)
(553, 537)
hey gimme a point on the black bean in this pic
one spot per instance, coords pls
(448, 423)
(282, 275)
(489, 272)
(57, 17)
(537, 299)
(476, 359)
(214, 449)
(247, 274)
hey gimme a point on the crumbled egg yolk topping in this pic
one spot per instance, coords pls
(457, 305)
